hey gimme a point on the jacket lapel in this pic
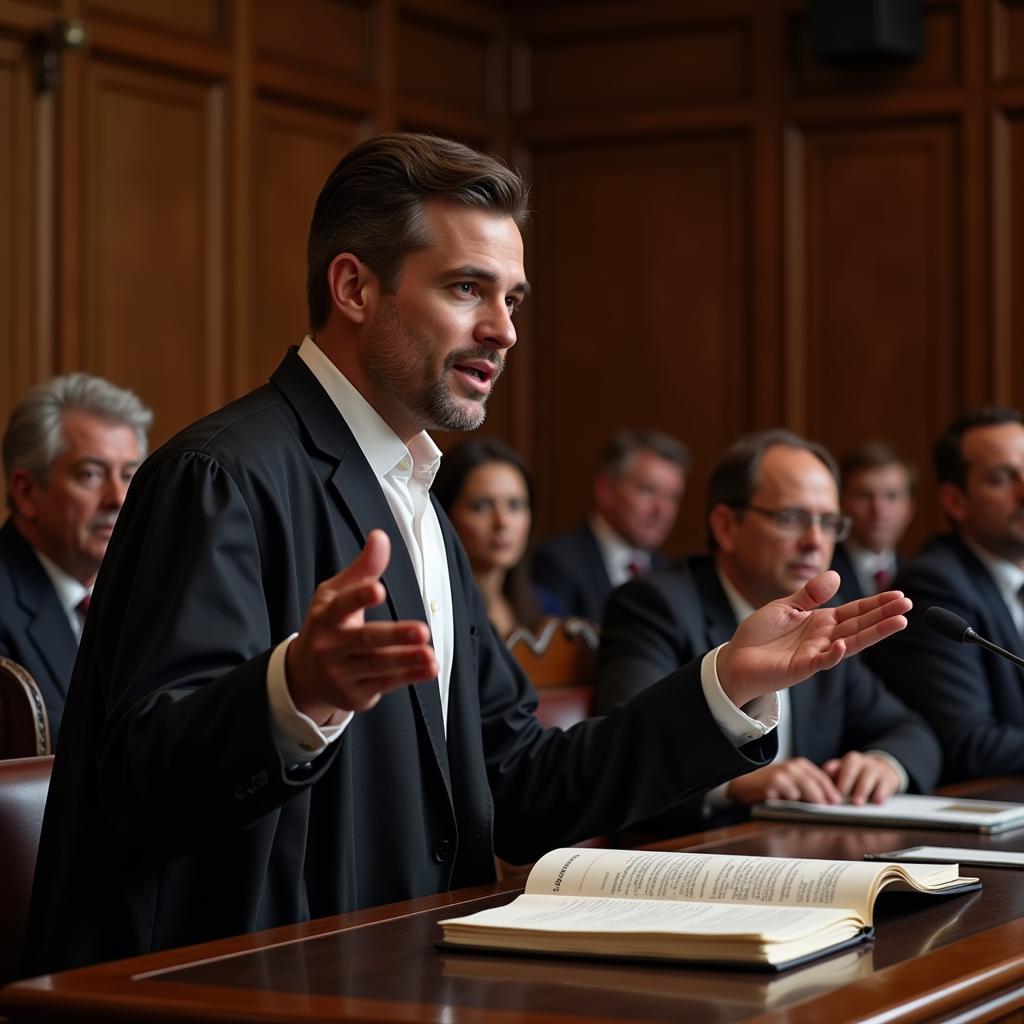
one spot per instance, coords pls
(48, 629)
(362, 502)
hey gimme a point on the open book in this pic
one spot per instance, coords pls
(906, 809)
(767, 912)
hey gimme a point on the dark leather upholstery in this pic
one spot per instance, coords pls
(23, 786)
(24, 729)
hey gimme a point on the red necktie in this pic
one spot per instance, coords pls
(82, 607)
(882, 580)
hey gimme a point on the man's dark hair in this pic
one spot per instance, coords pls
(874, 455)
(372, 204)
(948, 455)
(734, 478)
(618, 452)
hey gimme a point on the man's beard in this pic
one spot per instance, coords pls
(393, 363)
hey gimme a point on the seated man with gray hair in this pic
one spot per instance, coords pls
(637, 492)
(70, 448)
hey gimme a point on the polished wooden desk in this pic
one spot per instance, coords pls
(957, 958)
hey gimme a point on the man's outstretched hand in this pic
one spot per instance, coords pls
(339, 662)
(792, 638)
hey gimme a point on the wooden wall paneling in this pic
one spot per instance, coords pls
(641, 316)
(880, 296)
(154, 247)
(939, 65)
(26, 221)
(1007, 43)
(293, 152)
(333, 36)
(1008, 256)
(201, 18)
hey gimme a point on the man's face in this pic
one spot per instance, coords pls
(763, 560)
(436, 346)
(641, 505)
(990, 508)
(879, 502)
(70, 517)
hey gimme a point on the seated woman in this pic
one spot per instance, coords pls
(486, 489)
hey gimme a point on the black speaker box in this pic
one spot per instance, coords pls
(853, 29)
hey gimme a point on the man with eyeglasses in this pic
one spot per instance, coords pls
(773, 519)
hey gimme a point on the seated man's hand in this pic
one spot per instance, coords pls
(793, 779)
(790, 639)
(339, 662)
(863, 777)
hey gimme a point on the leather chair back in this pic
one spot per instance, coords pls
(24, 783)
(562, 653)
(24, 728)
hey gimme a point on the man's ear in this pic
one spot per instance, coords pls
(22, 487)
(953, 501)
(354, 287)
(722, 522)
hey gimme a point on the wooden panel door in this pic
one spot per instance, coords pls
(643, 314)
(872, 299)
(153, 246)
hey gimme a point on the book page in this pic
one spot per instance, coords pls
(713, 878)
(575, 914)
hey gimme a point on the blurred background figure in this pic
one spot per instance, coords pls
(487, 491)
(70, 448)
(637, 492)
(878, 486)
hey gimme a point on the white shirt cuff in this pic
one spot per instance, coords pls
(298, 738)
(757, 718)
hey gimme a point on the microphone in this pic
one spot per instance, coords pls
(952, 627)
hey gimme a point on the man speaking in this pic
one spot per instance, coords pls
(288, 701)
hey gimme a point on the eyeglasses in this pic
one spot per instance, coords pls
(795, 522)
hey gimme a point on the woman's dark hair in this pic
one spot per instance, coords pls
(456, 465)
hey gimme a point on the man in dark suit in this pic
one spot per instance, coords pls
(637, 492)
(974, 700)
(289, 702)
(773, 518)
(877, 494)
(70, 447)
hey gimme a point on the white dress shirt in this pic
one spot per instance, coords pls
(405, 474)
(69, 591)
(1007, 576)
(618, 556)
(867, 564)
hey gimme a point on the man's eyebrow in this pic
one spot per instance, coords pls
(481, 274)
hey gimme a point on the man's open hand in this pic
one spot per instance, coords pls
(339, 662)
(793, 638)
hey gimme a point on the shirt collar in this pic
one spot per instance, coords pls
(383, 448)
(868, 562)
(69, 591)
(741, 607)
(614, 548)
(1009, 578)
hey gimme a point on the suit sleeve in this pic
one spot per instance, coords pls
(179, 649)
(642, 641)
(948, 683)
(876, 719)
(553, 787)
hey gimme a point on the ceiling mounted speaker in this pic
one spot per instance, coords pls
(855, 29)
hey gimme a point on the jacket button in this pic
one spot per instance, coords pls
(239, 792)
(442, 851)
(262, 778)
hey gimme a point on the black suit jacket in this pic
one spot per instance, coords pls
(34, 629)
(663, 618)
(171, 817)
(973, 700)
(570, 566)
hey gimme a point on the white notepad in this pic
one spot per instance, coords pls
(941, 812)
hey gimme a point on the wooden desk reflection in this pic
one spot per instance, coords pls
(931, 958)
